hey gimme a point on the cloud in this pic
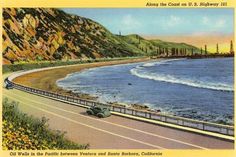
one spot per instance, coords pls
(220, 23)
(214, 23)
(130, 22)
(205, 20)
(173, 20)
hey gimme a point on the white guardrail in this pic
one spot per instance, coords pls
(200, 125)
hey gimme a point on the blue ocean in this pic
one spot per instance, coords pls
(200, 89)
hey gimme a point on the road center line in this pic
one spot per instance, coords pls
(148, 133)
(71, 120)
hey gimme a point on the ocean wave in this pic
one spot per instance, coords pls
(137, 71)
(151, 64)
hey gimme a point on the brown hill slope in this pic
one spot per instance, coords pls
(31, 34)
(49, 34)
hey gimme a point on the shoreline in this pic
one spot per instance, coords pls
(46, 80)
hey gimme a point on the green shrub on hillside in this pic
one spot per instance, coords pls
(36, 65)
(23, 132)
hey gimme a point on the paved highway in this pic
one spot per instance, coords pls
(114, 132)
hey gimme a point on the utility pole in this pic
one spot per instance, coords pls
(217, 48)
(231, 47)
(205, 49)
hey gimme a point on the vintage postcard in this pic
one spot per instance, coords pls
(117, 78)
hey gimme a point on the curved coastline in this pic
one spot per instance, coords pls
(46, 79)
(108, 95)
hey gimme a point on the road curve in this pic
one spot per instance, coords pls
(114, 132)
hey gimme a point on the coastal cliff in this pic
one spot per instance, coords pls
(39, 34)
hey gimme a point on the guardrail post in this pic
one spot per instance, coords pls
(147, 115)
(163, 118)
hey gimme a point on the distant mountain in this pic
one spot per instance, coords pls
(51, 34)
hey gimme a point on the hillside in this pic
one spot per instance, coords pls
(39, 34)
(150, 47)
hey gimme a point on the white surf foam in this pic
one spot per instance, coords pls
(150, 64)
(138, 71)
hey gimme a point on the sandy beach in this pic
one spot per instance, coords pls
(46, 80)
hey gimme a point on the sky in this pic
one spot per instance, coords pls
(161, 21)
(152, 22)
